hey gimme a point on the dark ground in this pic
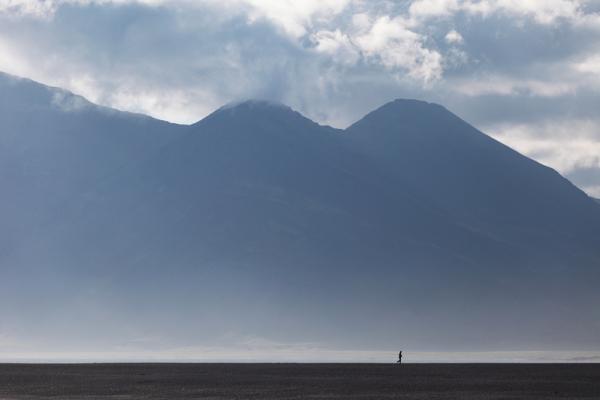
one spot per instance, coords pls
(300, 381)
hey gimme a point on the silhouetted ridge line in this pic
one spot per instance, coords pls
(406, 228)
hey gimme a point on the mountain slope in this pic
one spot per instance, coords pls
(55, 147)
(409, 227)
(468, 171)
(478, 180)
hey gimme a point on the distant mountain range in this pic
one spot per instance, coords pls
(409, 228)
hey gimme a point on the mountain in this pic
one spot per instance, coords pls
(56, 146)
(408, 227)
(479, 181)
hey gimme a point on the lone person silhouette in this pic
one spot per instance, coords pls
(399, 358)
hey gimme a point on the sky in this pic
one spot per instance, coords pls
(526, 72)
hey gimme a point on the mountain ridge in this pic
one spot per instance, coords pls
(258, 221)
(256, 103)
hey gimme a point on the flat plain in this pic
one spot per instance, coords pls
(299, 381)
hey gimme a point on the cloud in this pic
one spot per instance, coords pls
(387, 42)
(541, 11)
(570, 146)
(67, 102)
(395, 46)
(504, 85)
(588, 178)
(528, 66)
(453, 37)
(180, 60)
(296, 17)
(18, 8)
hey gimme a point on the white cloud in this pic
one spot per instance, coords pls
(433, 8)
(181, 59)
(67, 102)
(11, 62)
(297, 17)
(542, 11)
(386, 42)
(35, 8)
(593, 191)
(588, 65)
(338, 45)
(454, 37)
(395, 46)
(294, 17)
(565, 145)
(508, 86)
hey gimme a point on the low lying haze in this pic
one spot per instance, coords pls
(525, 72)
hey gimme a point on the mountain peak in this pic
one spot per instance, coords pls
(257, 218)
(403, 102)
(254, 107)
(406, 109)
(258, 111)
(255, 104)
